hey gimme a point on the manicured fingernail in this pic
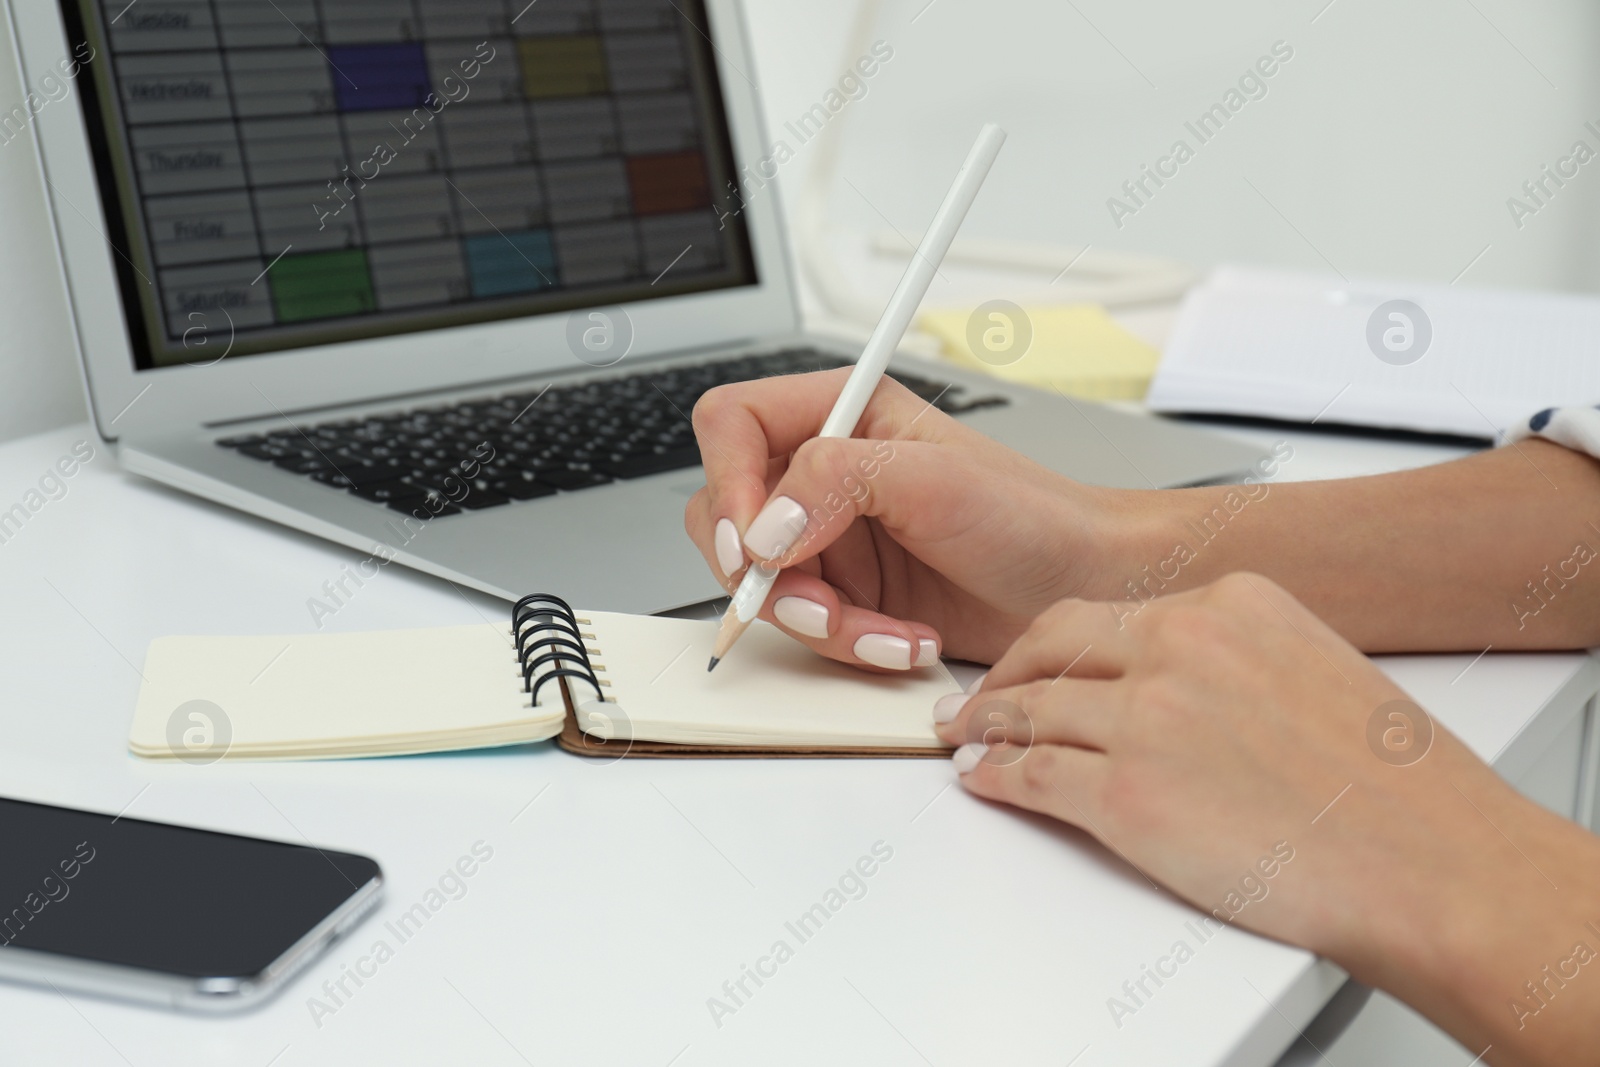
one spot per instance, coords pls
(730, 557)
(927, 652)
(973, 688)
(882, 650)
(778, 526)
(969, 756)
(945, 709)
(801, 615)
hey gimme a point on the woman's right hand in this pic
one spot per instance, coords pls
(1228, 731)
(915, 537)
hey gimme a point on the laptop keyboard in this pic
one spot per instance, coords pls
(486, 453)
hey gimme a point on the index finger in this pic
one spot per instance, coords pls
(742, 427)
(1083, 637)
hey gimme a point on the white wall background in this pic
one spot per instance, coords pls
(1387, 146)
(40, 385)
(1390, 141)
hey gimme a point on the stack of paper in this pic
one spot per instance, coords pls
(1429, 358)
(1077, 349)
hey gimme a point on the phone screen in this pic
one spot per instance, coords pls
(186, 902)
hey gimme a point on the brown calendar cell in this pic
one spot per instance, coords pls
(667, 183)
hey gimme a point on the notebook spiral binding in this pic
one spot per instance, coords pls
(547, 631)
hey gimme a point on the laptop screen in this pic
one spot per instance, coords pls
(284, 173)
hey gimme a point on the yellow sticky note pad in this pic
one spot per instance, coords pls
(1078, 349)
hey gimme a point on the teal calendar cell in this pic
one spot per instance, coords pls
(505, 263)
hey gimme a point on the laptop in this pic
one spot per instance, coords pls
(442, 280)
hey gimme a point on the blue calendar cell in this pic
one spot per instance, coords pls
(372, 77)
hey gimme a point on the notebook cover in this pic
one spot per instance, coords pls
(576, 741)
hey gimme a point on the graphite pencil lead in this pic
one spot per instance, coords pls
(712, 665)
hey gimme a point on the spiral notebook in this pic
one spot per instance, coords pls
(602, 684)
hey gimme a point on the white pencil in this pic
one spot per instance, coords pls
(874, 360)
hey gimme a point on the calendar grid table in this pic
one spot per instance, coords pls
(305, 161)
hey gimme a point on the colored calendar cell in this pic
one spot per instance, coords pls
(371, 77)
(321, 285)
(562, 66)
(668, 183)
(501, 264)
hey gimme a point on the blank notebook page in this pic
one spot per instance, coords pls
(770, 689)
(396, 690)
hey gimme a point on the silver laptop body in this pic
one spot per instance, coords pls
(553, 200)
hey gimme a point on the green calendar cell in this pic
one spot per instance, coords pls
(321, 285)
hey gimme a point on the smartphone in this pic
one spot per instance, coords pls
(163, 914)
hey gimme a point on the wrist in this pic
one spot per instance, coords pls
(1131, 544)
(1477, 928)
(1524, 970)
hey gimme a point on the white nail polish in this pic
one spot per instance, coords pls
(968, 756)
(801, 615)
(730, 557)
(778, 526)
(882, 650)
(973, 688)
(927, 652)
(945, 709)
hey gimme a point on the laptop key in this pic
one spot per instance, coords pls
(622, 466)
(368, 473)
(478, 499)
(383, 492)
(333, 478)
(264, 450)
(976, 404)
(522, 488)
(570, 479)
(302, 464)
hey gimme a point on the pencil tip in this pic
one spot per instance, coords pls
(713, 664)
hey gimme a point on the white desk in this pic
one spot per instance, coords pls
(620, 897)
